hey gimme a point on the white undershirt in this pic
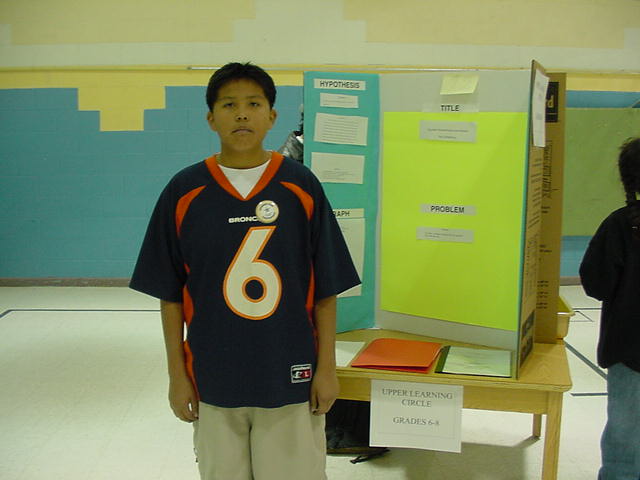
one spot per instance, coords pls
(244, 179)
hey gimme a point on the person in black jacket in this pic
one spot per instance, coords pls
(610, 272)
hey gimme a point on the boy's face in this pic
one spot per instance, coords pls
(241, 116)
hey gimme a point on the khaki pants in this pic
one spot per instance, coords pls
(260, 443)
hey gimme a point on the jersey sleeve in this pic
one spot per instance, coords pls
(160, 269)
(334, 271)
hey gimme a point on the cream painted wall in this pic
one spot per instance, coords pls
(569, 35)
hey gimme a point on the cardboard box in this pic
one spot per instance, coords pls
(547, 329)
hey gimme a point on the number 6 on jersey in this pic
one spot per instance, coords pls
(246, 267)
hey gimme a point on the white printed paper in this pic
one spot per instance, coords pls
(339, 84)
(444, 234)
(446, 209)
(337, 100)
(348, 213)
(416, 415)
(341, 129)
(448, 131)
(453, 108)
(338, 167)
(346, 351)
(452, 105)
(353, 231)
(478, 361)
(539, 108)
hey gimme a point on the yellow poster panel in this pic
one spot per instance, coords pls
(453, 204)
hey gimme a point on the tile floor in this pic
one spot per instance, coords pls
(83, 397)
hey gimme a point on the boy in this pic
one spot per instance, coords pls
(243, 248)
(610, 272)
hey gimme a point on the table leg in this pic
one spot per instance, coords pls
(537, 425)
(552, 437)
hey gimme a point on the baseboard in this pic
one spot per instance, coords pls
(124, 282)
(64, 282)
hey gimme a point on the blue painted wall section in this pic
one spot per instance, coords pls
(590, 99)
(75, 201)
(573, 248)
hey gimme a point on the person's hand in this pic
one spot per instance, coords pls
(183, 399)
(324, 391)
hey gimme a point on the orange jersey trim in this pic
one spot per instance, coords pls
(188, 357)
(310, 308)
(187, 306)
(223, 181)
(272, 168)
(305, 198)
(183, 206)
(187, 313)
(220, 177)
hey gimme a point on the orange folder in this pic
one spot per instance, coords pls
(399, 355)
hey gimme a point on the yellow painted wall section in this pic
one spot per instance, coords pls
(551, 23)
(604, 82)
(121, 107)
(122, 21)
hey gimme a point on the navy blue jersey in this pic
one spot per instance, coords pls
(248, 273)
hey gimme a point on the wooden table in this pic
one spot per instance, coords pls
(538, 390)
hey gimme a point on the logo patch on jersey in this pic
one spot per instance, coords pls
(301, 373)
(267, 211)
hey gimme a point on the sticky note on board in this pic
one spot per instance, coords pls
(458, 84)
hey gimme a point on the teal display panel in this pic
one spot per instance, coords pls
(341, 146)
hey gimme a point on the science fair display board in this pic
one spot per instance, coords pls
(341, 146)
(452, 162)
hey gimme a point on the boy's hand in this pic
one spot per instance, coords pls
(324, 391)
(183, 399)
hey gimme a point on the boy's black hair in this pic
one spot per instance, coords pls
(240, 71)
(629, 167)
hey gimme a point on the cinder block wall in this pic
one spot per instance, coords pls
(75, 200)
